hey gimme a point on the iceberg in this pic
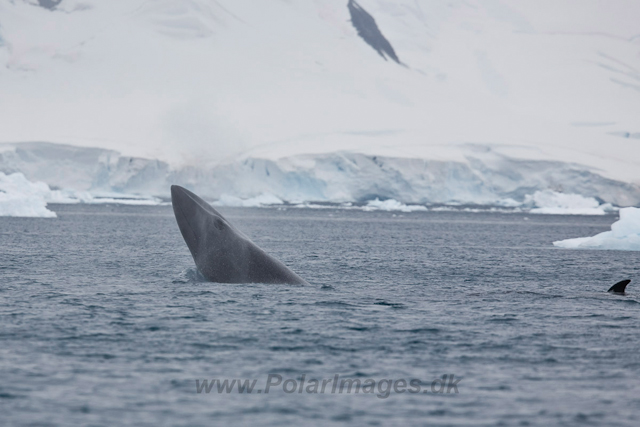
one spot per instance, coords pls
(391, 205)
(555, 203)
(120, 200)
(22, 198)
(624, 235)
(253, 202)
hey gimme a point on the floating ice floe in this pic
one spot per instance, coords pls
(23, 198)
(309, 205)
(624, 235)
(111, 198)
(554, 203)
(391, 205)
(264, 199)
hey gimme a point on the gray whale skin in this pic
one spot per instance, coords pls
(619, 287)
(221, 252)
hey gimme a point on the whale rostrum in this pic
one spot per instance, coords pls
(221, 252)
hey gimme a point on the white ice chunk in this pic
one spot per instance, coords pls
(624, 235)
(508, 203)
(554, 203)
(151, 201)
(391, 205)
(20, 197)
(261, 200)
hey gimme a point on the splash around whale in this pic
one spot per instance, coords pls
(221, 252)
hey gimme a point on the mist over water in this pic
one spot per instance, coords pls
(105, 321)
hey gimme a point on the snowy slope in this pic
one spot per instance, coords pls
(492, 99)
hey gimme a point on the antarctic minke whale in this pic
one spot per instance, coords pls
(221, 252)
(619, 287)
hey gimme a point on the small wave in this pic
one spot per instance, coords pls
(10, 396)
(421, 330)
(360, 328)
(390, 304)
(504, 318)
(288, 348)
(190, 275)
(333, 304)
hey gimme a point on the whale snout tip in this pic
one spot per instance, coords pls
(177, 191)
(180, 198)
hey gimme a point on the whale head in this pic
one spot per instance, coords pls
(219, 250)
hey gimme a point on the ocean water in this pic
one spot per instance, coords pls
(104, 321)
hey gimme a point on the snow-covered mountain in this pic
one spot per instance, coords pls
(423, 101)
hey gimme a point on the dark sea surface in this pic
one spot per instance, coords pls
(104, 321)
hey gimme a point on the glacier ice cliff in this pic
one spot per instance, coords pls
(483, 177)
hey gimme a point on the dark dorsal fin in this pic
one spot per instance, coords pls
(619, 287)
